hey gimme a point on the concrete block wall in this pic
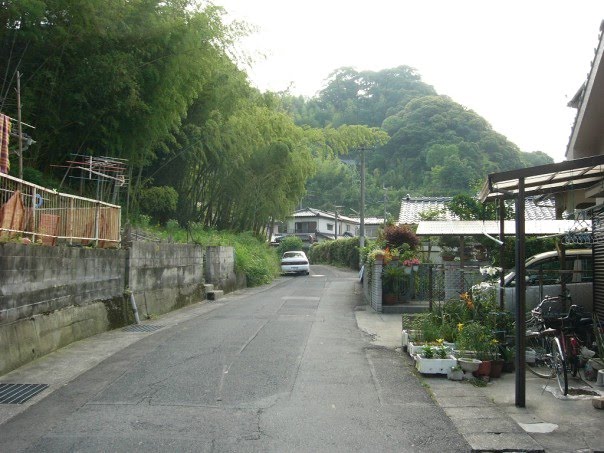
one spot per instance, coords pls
(53, 296)
(373, 289)
(36, 279)
(164, 277)
(219, 268)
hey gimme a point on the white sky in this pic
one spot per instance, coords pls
(514, 62)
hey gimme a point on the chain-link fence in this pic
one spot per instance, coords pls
(433, 282)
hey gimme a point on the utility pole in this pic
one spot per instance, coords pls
(336, 208)
(385, 200)
(362, 210)
(336, 229)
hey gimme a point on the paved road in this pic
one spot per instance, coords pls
(282, 369)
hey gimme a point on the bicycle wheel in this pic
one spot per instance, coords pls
(539, 355)
(559, 366)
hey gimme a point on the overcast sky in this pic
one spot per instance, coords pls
(516, 63)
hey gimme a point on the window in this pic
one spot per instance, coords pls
(330, 226)
(306, 227)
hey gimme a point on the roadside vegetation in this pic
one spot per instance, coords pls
(253, 256)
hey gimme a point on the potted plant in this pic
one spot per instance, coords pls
(598, 363)
(507, 354)
(392, 283)
(434, 360)
(496, 360)
(475, 339)
(412, 263)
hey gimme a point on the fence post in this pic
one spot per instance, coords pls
(34, 215)
(430, 289)
(96, 224)
(71, 221)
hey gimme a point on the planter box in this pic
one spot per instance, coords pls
(434, 366)
(415, 348)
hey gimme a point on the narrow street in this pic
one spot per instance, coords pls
(283, 368)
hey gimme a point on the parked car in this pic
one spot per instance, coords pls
(295, 262)
(544, 278)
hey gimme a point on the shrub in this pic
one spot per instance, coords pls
(397, 235)
(289, 243)
(159, 202)
(342, 252)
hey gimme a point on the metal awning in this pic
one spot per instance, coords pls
(493, 227)
(571, 175)
(545, 179)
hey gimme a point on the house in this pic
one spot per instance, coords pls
(587, 140)
(577, 183)
(327, 225)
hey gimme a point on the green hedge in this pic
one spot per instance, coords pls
(342, 252)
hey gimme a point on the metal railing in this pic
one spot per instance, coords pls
(46, 216)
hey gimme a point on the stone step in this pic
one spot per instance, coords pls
(215, 294)
(208, 287)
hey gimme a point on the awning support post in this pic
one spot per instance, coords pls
(520, 298)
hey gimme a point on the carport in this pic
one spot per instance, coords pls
(545, 180)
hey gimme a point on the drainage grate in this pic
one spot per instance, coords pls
(19, 393)
(141, 328)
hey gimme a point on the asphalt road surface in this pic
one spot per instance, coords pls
(281, 369)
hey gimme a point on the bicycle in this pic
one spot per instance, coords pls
(554, 340)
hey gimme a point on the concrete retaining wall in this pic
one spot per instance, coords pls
(53, 296)
(219, 268)
(164, 277)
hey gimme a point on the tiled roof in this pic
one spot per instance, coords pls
(411, 208)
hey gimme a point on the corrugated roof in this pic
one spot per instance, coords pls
(546, 179)
(411, 209)
(491, 227)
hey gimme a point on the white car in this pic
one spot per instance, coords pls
(543, 278)
(295, 262)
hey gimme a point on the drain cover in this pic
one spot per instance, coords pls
(19, 393)
(141, 328)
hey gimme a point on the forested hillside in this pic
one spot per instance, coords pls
(436, 146)
(156, 83)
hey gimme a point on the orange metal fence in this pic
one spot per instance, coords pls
(42, 215)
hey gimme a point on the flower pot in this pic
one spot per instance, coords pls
(597, 364)
(484, 369)
(407, 270)
(415, 268)
(389, 299)
(468, 364)
(509, 367)
(496, 368)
